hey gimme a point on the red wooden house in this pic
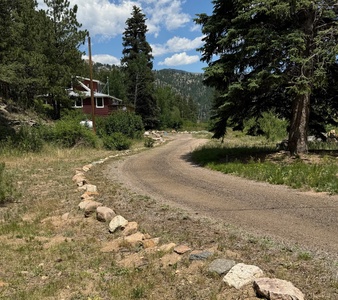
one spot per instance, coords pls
(104, 103)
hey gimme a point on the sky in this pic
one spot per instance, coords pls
(172, 33)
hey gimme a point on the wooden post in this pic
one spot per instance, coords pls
(91, 83)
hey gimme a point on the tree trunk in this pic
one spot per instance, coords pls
(299, 124)
(56, 110)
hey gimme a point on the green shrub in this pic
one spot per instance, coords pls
(28, 139)
(268, 125)
(68, 133)
(149, 142)
(42, 109)
(6, 132)
(274, 129)
(6, 185)
(123, 122)
(116, 141)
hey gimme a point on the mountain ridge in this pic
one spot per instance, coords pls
(188, 85)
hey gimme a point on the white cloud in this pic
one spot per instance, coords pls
(179, 60)
(106, 18)
(104, 59)
(195, 27)
(177, 44)
(165, 13)
(101, 17)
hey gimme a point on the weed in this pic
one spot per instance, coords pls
(149, 142)
(138, 292)
(304, 256)
(7, 190)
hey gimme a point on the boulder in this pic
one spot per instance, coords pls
(91, 207)
(241, 275)
(181, 249)
(91, 188)
(221, 266)
(86, 168)
(277, 289)
(82, 205)
(79, 179)
(130, 228)
(88, 195)
(170, 259)
(200, 255)
(135, 239)
(167, 247)
(104, 214)
(150, 243)
(118, 222)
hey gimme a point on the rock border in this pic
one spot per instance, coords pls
(237, 275)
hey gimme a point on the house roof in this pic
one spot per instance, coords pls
(87, 93)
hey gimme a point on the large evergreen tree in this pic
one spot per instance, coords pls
(21, 57)
(265, 54)
(137, 62)
(64, 57)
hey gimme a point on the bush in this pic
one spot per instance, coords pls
(123, 122)
(68, 133)
(268, 125)
(149, 142)
(6, 185)
(6, 132)
(27, 139)
(274, 128)
(116, 141)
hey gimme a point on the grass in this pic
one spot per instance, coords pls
(45, 257)
(316, 171)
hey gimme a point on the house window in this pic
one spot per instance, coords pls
(99, 102)
(78, 103)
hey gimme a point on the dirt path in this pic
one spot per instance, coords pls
(290, 216)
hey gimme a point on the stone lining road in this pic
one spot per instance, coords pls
(165, 173)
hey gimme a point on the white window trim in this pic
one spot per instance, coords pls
(99, 106)
(78, 106)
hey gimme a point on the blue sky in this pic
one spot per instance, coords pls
(172, 33)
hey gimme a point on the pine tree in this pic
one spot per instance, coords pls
(21, 58)
(269, 54)
(64, 57)
(137, 62)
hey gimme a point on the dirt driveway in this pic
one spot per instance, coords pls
(165, 173)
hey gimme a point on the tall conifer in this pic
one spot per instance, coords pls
(64, 57)
(137, 62)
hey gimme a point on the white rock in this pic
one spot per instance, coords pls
(117, 222)
(241, 275)
(91, 188)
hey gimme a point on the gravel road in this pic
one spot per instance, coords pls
(305, 219)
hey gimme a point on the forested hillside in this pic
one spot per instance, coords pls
(188, 85)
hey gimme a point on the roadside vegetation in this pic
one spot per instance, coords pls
(258, 159)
